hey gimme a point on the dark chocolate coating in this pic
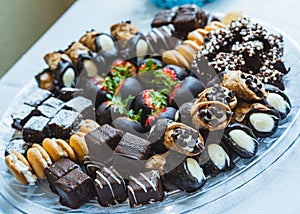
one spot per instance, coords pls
(127, 125)
(242, 152)
(91, 167)
(145, 188)
(66, 94)
(59, 72)
(35, 130)
(129, 87)
(185, 114)
(183, 179)
(276, 118)
(181, 74)
(110, 187)
(101, 142)
(57, 170)
(75, 188)
(64, 123)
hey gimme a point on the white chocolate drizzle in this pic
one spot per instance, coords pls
(133, 194)
(112, 175)
(148, 180)
(106, 181)
(138, 183)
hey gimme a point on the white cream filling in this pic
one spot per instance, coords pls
(218, 155)
(107, 43)
(31, 179)
(195, 170)
(39, 154)
(141, 48)
(61, 152)
(262, 122)
(278, 102)
(68, 77)
(242, 139)
(90, 68)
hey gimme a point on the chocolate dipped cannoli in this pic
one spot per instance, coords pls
(183, 139)
(101, 43)
(85, 60)
(245, 86)
(215, 159)
(218, 93)
(261, 119)
(278, 100)
(241, 140)
(64, 73)
(211, 115)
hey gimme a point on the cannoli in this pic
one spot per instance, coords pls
(211, 115)
(245, 86)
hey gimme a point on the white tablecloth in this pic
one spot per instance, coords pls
(276, 190)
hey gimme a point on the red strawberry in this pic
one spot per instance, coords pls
(122, 69)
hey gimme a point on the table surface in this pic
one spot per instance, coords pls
(277, 190)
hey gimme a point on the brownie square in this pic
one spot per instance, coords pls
(164, 17)
(145, 188)
(59, 169)
(82, 105)
(75, 188)
(18, 145)
(130, 154)
(50, 107)
(21, 116)
(35, 130)
(110, 187)
(63, 123)
(37, 97)
(101, 143)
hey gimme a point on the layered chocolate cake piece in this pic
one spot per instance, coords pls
(35, 130)
(130, 154)
(75, 188)
(81, 105)
(145, 188)
(59, 169)
(102, 142)
(110, 187)
(63, 123)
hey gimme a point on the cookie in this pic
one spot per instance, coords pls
(86, 126)
(20, 168)
(78, 144)
(58, 148)
(38, 159)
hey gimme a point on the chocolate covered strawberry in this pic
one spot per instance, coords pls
(175, 72)
(167, 113)
(123, 69)
(149, 101)
(150, 64)
(129, 87)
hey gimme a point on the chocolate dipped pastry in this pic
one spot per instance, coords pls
(57, 170)
(261, 119)
(187, 176)
(35, 130)
(81, 105)
(278, 100)
(211, 115)
(20, 117)
(161, 39)
(145, 188)
(66, 94)
(130, 154)
(64, 74)
(227, 61)
(101, 143)
(245, 86)
(110, 187)
(215, 159)
(45, 79)
(218, 93)
(272, 77)
(85, 61)
(185, 18)
(183, 139)
(136, 49)
(241, 140)
(100, 42)
(74, 188)
(64, 123)
(123, 32)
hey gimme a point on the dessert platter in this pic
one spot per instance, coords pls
(128, 121)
